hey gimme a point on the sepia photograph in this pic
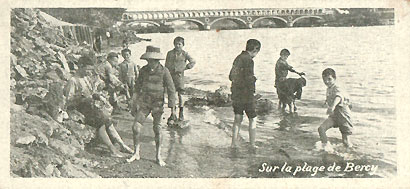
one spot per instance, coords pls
(221, 91)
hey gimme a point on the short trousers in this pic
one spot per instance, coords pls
(178, 79)
(147, 105)
(97, 118)
(248, 107)
(342, 122)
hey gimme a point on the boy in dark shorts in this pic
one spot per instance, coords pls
(176, 62)
(243, 89)
(149, 98)
(338, 110)
(82, 95)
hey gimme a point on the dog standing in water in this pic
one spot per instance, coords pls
(289, 90)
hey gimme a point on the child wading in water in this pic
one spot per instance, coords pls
(149, 99)
(243, 90)
(176, 63)
(338, 109)
(281, 72)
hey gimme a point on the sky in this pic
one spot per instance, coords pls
(151, 5)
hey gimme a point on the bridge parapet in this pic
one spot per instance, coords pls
(175, 14)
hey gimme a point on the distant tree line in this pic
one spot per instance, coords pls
(95, 17)
(363, 17)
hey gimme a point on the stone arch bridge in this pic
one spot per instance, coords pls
(245, 18)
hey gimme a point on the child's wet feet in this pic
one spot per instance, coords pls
(254, 146)
(328, 147)
(160, 162)
(348, 145)
(133, 158)
(172, 119)
(116, 154)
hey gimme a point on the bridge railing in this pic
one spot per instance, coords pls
(175, 14)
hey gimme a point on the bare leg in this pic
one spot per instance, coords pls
(235, 129)
(345, 140)
(294, 106)
(136, 129)
(290, 107)
(327, 124)
(180, 100)
(102, 133)
(111, 129)
(181, 106)
(158, 139)
(252, 132)
(283, 107)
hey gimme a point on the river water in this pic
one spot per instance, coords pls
(361, 56)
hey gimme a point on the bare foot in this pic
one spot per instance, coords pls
(116, 154)
(347, 144)
(161, 162)
(127, 149)
(253, 146)
(133, 158)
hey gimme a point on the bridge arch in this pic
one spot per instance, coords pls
(143, 21)
(238, 21)
(304, 17)
(199, 23)
(272, 18)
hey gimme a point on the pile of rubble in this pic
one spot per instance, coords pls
(42, 61)
(222, 98)
(41, 58)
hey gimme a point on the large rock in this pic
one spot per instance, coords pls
(221, 97)
(264, 106)
(25, 140)
(22, 74)
(54, 102)
(63, 147)
(195, 101)
(74, 171)
(83, 133)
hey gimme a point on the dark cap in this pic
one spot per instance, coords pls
(112, 54)
(87, 60)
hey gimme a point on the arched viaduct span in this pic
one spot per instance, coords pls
(245, 18)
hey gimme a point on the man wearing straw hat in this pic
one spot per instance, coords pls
(149, 98)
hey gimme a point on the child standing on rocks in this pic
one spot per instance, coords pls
(243, 90)
(338, 110)
(176, 62)
(128, 73)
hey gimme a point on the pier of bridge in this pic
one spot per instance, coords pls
(245, 18)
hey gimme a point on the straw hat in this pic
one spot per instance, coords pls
(153, 53)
